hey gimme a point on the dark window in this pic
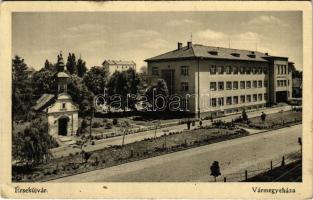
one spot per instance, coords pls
(260, 97)
(248, 84)
(242, 99)
(184, 70)
(228, 70)
(242, 70)
(228, 85)
(220, 85)
(155, 71)
(248, 98)
(235, 70)
(221, 101)
(235, 100)
(213, 102)
(255, 84)
(242, 85)
(235, 85)
(213, 69)
(220, 69)
(255, 97)
(228, 101)
(248, 70)
(259, 84)
(184, 87)
(213, 86)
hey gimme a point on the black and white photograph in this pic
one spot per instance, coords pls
(157, 96)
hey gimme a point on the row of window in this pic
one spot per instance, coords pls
(235, 70)
(235, 99)
(282, 83)
(282, 69)
(184, 70)
(233, 85)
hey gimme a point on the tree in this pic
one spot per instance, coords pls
(215, 170)
(81, 68)
(96, 79)
(244, 115)
(44, 81)
(22, 89)
(49, 66)
(80, 94)
(126, 85)
(31, 146)
(71, 63)
(158, 89)
(263, 117)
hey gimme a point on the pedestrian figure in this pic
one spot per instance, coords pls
(188, 125)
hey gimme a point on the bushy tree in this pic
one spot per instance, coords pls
(49, 66)
(126, 85)
(31, 146)
(81, 67)
(215, 170)
(96, 79)
(71, 63)
(44, 81)
(22, 89)
(80, 94)
(160, 88)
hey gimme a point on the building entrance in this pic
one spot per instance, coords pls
(281, 96)
(63, 122)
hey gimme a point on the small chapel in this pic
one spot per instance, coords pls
(61, 111)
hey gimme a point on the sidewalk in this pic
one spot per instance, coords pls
(100, 144)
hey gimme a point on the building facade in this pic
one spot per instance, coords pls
(61, 111)
(118, 65)
(216, 81)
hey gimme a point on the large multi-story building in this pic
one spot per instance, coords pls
(118, 65)
(216, 81)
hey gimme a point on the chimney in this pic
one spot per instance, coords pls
(179, 45)
(189, 44)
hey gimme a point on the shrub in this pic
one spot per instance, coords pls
(115, 121)
(96, 125)
(108, 125)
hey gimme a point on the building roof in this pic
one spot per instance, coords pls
(30, 69)
(62, 75)
(201, 51)
(44, 101)
(119, 62)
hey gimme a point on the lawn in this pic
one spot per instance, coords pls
(275, 120)
(116, 155)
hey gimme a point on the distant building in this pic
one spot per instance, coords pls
(62, 112)
(118, 65)
(222, 80)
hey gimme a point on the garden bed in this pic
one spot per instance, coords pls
(117, 155)
(272, 121)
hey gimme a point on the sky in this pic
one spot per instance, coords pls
(99, 36)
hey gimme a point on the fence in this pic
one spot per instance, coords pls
(249, 173)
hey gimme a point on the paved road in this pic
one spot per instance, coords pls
(235, 156)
